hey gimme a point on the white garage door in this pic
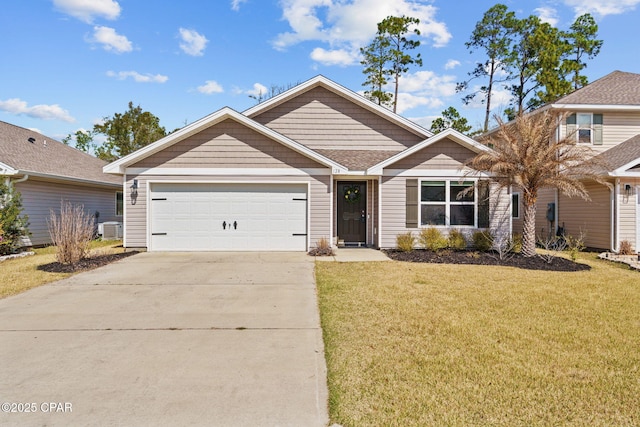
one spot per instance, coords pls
(229, 217)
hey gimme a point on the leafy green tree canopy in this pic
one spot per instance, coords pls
(13, 225)
(450, 119)
(127, 132)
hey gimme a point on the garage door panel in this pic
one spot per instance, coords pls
(267, 216)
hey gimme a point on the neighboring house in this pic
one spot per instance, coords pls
(605, 116)
(317, 161)
(47, 172)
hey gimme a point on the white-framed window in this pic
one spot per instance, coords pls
(515, 205)
(448, 203)
(119, 203)
(584, 131)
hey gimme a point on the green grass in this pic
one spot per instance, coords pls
(423, 344)
(21, 274)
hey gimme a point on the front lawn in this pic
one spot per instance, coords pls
(21, 274)
(411, 344)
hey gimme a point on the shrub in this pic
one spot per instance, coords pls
(625, 248)
(405, 242)
(431, 238)
(323, 248)
(482, 240)
(575, 245)
(516, 243)
(13, 225)
(71, 232)
(456, 240)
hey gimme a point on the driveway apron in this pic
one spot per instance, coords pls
(219, 339)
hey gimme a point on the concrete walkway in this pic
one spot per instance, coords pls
(214, 339)
(355, 255)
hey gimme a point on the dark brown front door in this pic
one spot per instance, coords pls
(352, 212)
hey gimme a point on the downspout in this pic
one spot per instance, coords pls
(615, 214)
(23, 179)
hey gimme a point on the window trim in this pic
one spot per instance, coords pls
(448, 202)
(518, 195)
(122, 204)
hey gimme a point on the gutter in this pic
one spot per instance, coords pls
(23, 179)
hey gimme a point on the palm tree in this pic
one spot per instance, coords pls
(527, 153)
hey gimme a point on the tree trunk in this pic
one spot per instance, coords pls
(529, 229)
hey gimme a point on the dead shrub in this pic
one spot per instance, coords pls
(71, 232)
(625, 248)
(323, 248)
(405, 242)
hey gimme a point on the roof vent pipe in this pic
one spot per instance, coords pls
(31, 139)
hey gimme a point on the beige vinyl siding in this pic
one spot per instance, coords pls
(321, 119)
(499, 210)
(39, 197)
(629, 207)
(393, 199)
(617, 127)
(319, 202)
(228, 144)
(593, 218)
(544, 229)
(445, 154)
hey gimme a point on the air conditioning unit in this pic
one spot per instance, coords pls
(111, 230)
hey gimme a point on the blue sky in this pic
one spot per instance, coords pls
(66, 64)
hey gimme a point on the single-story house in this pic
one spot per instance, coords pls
(604, 116)
(47, 172)
(317, 161)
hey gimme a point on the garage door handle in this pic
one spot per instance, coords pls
(224, 225)
(235, 225)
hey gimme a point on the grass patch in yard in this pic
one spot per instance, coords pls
(21, 274)
(411, 344)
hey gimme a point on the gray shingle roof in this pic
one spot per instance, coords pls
(622, 153)
(357, 159)
(616, 88)
(51, 158)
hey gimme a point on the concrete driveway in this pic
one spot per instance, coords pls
(219, 339)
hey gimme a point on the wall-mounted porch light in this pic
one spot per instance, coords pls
(627, 189)
(134, 188)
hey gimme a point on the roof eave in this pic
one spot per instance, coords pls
(595, 107)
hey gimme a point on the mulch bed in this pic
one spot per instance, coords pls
(486, 258)
(85, 264)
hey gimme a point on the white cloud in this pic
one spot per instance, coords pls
(193, 43)
(110, 40)
(428, 83)
(257, 91)
(209, 87)
(451, 64)
(137, 77)
(407, 101)
(334, 57)
(348, 25)
(87, 10)
(41, 111)
(235, 4)
(548, 15)
(602, 8)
